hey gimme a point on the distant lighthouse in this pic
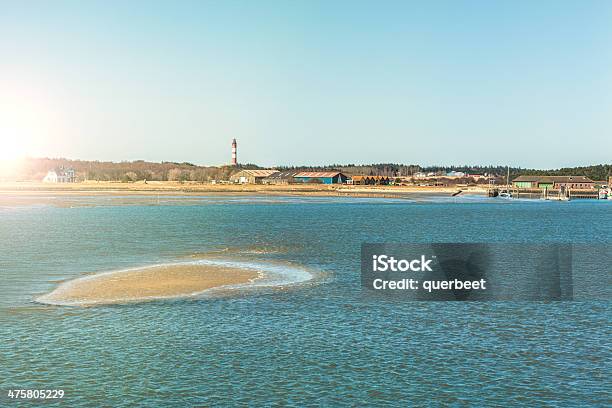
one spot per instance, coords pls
(234, 153)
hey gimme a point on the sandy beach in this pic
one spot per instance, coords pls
(26, 193)
(146, 284)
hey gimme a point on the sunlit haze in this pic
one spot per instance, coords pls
(308, 82)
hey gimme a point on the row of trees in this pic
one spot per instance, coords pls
(599, 172)
(36, 169)
(596, 172)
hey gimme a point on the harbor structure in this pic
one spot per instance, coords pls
(563, 188)
(234, 152)
(60, 175)
(321, 177)
(553, 182)
(251, 176)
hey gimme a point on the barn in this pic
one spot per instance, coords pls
(251, 176)
(321, 177)
(281, 177)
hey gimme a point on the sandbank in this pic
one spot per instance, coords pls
(146, 284)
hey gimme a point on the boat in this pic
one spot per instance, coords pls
(506, 193)
(564, 195)
(564, 198)
(603, 194)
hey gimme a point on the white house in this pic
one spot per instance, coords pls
(60, 175)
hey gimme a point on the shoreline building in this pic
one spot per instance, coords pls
(234, 152)
(360, 180)
(282, 177)
(60, 175)
(251, 176)
(554, 182)
(321, 177)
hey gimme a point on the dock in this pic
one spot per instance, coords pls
(547, 194)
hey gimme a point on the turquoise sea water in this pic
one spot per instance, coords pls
(316, 342)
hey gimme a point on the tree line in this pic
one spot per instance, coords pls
(125, 171)
(594, 172)
(129, 171)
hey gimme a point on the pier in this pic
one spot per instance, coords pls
(546, 194)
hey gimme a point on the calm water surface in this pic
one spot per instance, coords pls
(316, 343)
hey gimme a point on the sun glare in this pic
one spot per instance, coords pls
(10, 149)
(29, 121)
(17, 124)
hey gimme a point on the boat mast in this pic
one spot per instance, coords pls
(508, 180)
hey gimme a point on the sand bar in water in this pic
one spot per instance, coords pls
(145, 284)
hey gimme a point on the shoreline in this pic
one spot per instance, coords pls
(16, 193)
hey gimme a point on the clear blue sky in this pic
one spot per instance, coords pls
(526, 83)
